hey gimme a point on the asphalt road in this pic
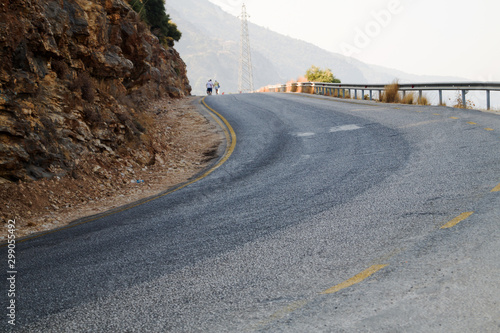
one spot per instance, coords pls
(326, 217)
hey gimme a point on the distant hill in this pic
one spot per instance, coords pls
(210, 48)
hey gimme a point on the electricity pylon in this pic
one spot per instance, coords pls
(245, 77)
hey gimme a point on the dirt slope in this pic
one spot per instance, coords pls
(184, 142)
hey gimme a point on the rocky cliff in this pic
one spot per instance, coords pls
(75, 77)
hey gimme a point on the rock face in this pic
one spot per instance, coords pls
(75, 76)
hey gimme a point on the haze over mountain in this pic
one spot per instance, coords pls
(210, 48)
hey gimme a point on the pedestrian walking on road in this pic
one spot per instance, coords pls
(216, 87)
(210, 85)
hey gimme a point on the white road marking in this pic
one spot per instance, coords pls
(344, 128)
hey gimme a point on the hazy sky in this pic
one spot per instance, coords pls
(434, 37)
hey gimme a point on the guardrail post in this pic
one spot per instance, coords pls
(440, 97)
(362, 94)
(370, 95)
(488, 101)
(343, 93)
(355, 93)
(464, 100)
(380, 95)
(420, 95)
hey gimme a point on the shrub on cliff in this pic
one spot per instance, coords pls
(153, 13)
(85, 85)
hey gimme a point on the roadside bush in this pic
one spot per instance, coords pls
(409, 98)
(423, 101)
(316, 74)
(458, 102)
(391, 93)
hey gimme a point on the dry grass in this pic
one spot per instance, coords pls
(423, 101)
(409, 98)
(458, 102)
(391, 93)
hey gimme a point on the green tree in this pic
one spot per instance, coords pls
(316, 74)
(153, 13)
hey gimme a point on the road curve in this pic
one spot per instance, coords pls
(326, 217)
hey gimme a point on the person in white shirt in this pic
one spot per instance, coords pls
(210, 85)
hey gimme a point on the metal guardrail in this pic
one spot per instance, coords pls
(329, 88)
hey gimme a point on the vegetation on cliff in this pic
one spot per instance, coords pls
(153, 13)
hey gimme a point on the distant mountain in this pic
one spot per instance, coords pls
(210, 48)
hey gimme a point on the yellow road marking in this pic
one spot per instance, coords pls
(421, 123)
(436, 114)
(300, 304)
(489, 129)
(471, 122)
(230, 137)
(496, 189)
(355, 279)
(281, 313)
(454, 118)
(457, 220)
